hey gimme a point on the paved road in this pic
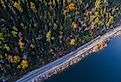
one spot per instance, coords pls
(57, 62)
(80, 50)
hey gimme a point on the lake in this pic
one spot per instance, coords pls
(102, 66)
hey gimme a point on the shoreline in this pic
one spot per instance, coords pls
(73, 57)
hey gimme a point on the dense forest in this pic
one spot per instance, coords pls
(36, 32)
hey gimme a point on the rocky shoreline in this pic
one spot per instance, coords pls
(94, 46)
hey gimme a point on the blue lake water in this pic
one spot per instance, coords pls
(103, 66)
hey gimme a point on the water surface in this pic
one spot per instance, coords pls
(103, 66)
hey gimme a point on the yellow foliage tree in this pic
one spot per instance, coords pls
(72, 42)
(72, 6)
(1, 36)
(110, 21)
(48, 36)
(24, 64)
(7, 47)
(74, 25)
(18, 6)
(14, 33)
(21, 44)
(32, 45)
(32, 6)
(16, 59)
